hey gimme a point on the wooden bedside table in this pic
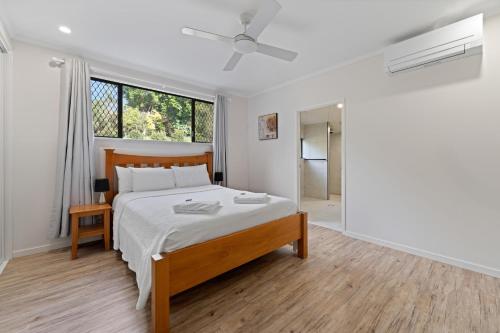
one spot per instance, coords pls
(78, 232)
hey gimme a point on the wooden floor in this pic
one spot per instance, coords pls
(346, 285)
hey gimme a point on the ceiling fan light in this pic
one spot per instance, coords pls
(187, 31)
(245, 46)
(64, 29)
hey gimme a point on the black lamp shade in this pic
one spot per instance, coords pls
(218, 176)
(101, 185)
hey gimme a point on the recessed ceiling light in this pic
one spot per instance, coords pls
(340, 105)
(64, 29)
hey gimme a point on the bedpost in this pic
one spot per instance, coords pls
(160, 293)
(302, 242)
(110, 174)
(210, 161)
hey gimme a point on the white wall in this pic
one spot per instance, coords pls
(315, 146)
(315, 179)
(237, 159)
(335, 164)
(422, 152)
(315, 141)
(34, 145)
(335, 150)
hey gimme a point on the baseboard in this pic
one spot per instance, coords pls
(328, 226)
(3, 264)
(396, 246)
(427, 254)
(57, 244)
(42, 248)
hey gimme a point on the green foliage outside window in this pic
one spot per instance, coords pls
(149, 115)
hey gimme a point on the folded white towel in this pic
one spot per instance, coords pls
(251, 198)
(197, 207)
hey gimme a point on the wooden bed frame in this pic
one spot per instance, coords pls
(174, 272)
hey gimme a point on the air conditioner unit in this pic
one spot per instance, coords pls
(455, 41)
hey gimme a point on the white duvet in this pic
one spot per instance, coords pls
(144, 224)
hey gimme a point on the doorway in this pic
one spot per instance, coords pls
(321, 165)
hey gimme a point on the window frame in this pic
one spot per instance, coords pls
(120, 86)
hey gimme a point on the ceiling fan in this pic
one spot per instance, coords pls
(246, 42)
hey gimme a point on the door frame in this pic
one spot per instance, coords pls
(5, 152)
(343, 137)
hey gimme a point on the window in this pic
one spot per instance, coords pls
(105, 109)
(124, 111)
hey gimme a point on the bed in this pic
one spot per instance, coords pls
(171, 253)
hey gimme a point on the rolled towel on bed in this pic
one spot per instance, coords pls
(197, 207)
(251, 198)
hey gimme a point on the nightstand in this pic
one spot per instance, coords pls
(78, 232)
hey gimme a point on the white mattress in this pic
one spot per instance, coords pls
(145, 224)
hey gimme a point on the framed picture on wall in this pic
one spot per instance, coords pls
(268, 126)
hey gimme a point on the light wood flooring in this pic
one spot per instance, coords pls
(346, 285)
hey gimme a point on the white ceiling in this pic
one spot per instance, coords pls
(146, 33)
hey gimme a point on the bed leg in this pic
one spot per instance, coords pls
(302, 242)
(160, 293)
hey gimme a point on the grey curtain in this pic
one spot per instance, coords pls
(75, 163)
(220, 136)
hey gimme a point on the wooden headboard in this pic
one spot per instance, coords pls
(139, 161)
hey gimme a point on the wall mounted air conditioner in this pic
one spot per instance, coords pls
(455, 41)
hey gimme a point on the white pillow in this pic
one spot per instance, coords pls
(190, 176)
(152, 179)
(124, 179)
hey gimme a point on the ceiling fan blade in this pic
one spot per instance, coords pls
(276, 52)
(235, 58)
(204, 34)
(266, 12)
